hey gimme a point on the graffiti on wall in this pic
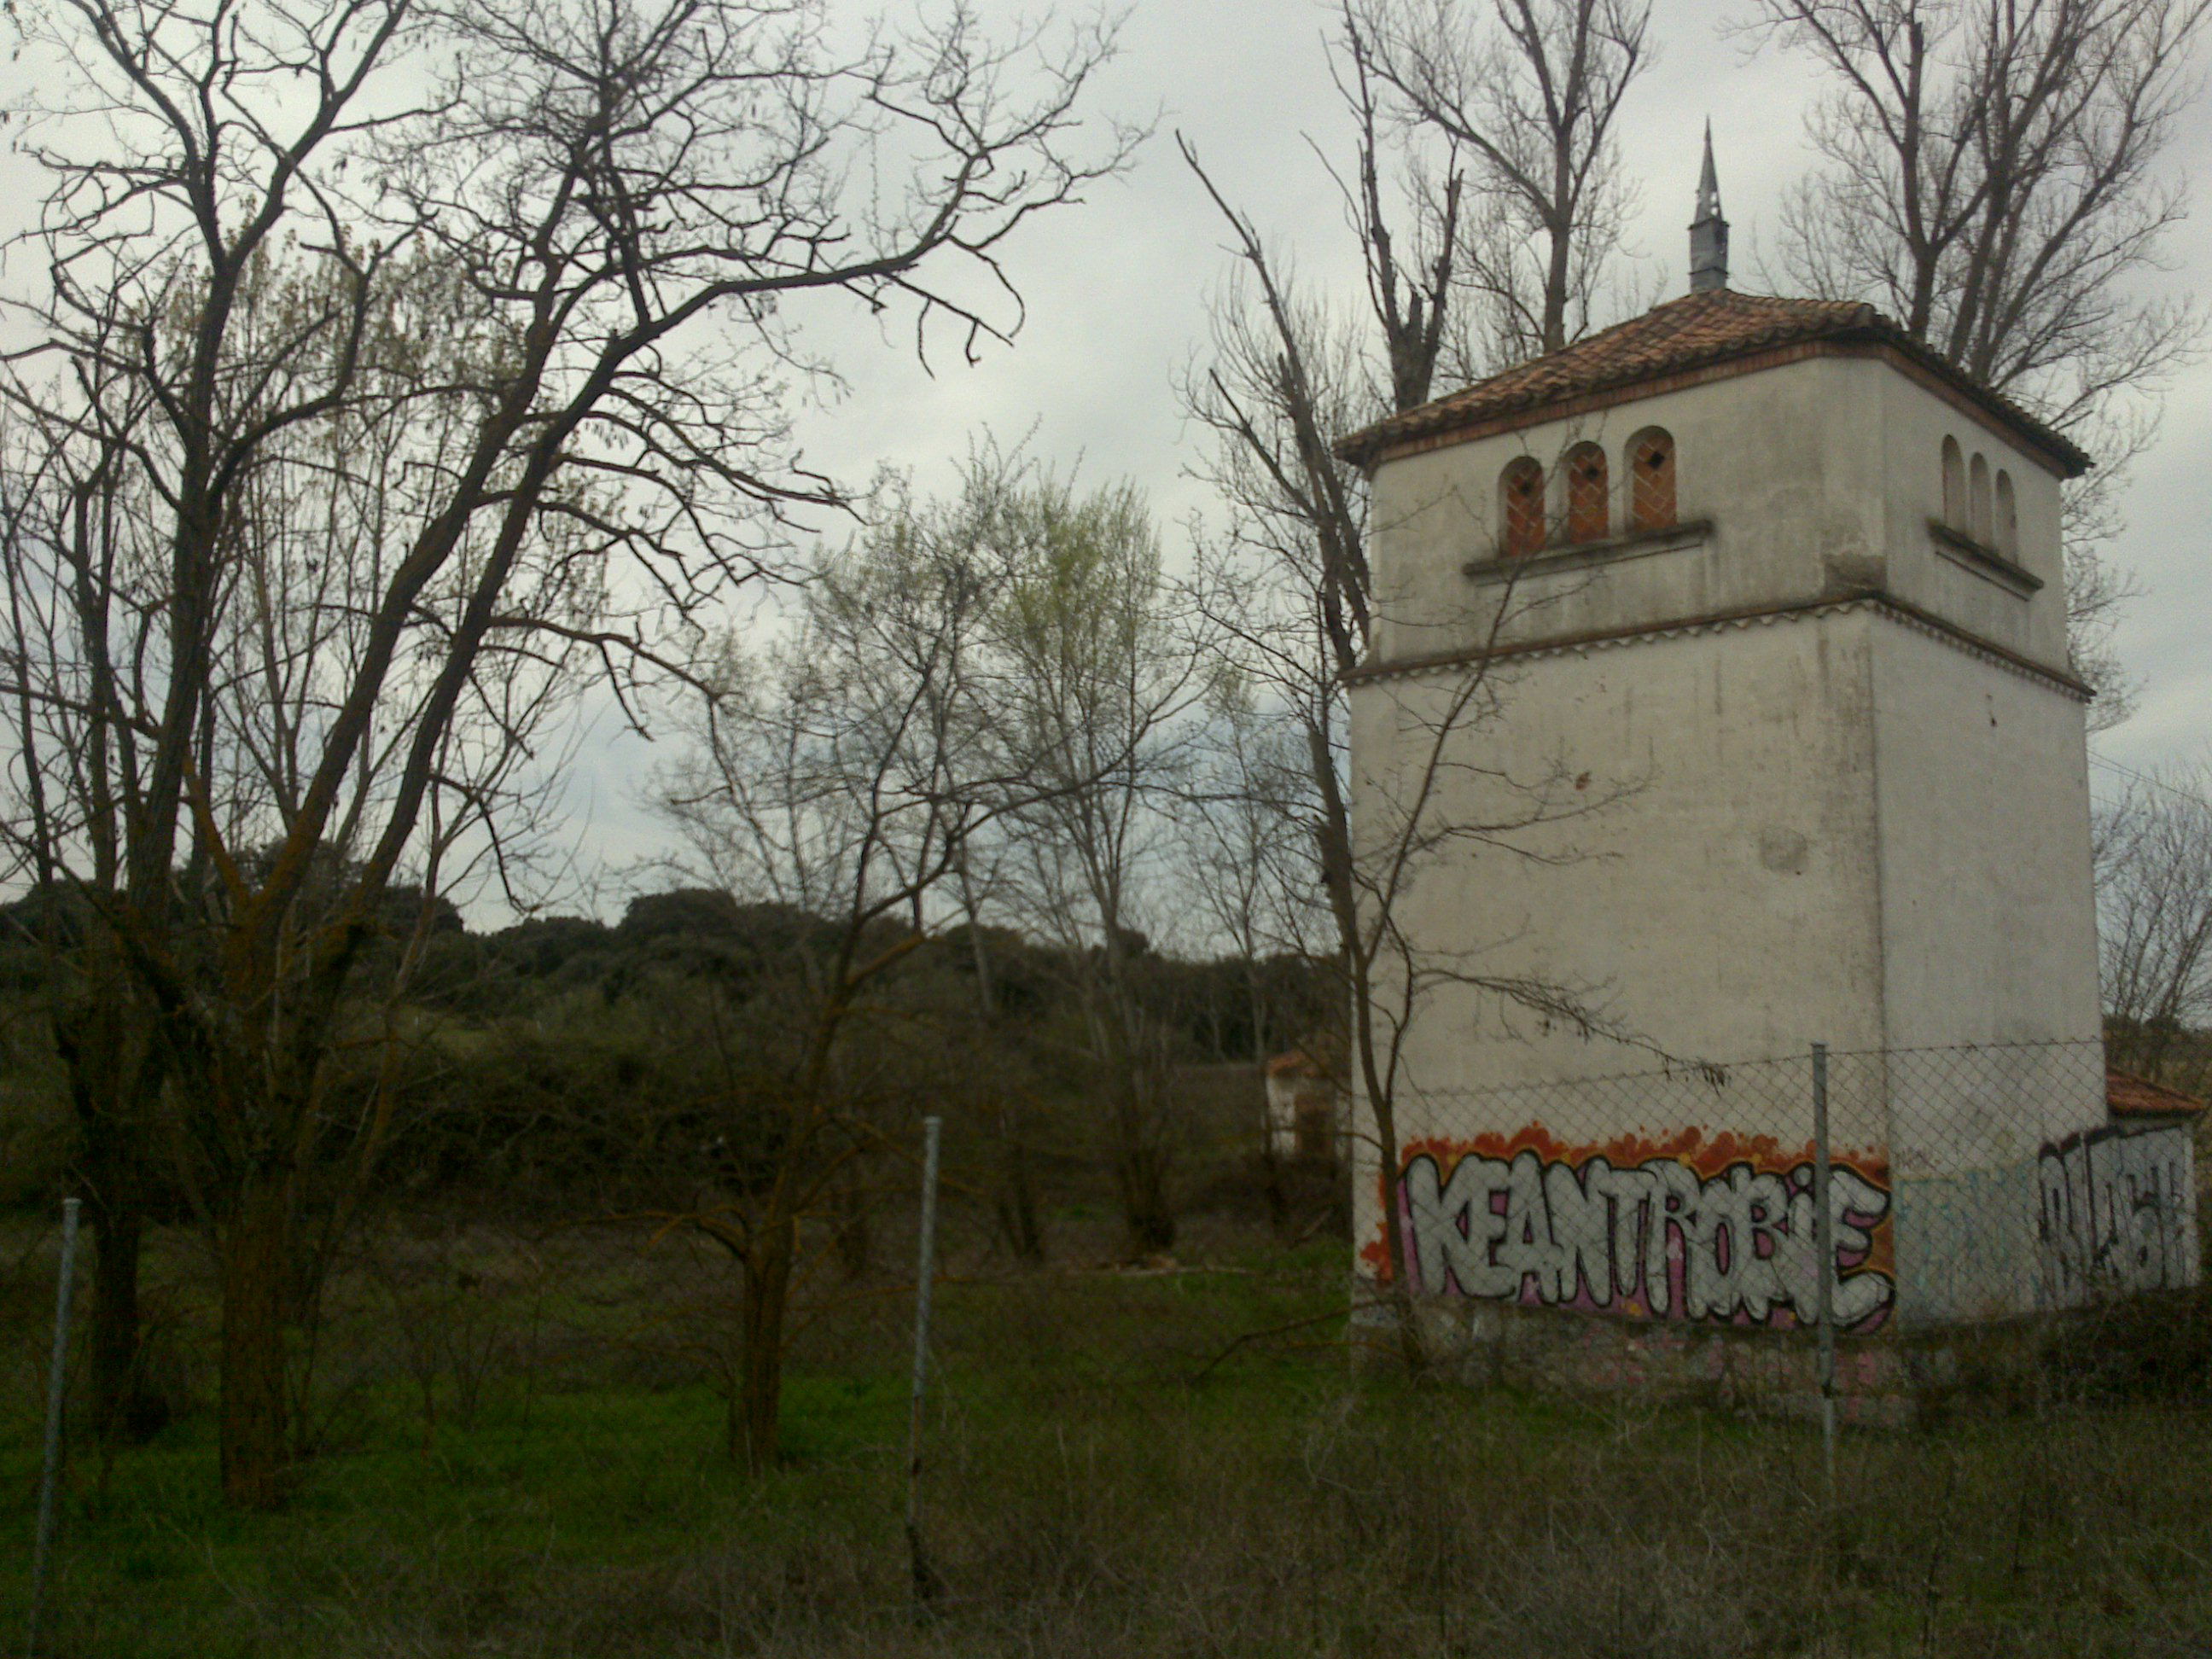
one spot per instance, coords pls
(1694, 1227)
(2117, 1212)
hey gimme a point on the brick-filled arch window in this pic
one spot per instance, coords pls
(1954, 486)
(1521, 507)
(2007, 517)
(1589, 518)
(1651, 480)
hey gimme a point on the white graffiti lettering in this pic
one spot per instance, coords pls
(1657, 1239)
(2117, 1212)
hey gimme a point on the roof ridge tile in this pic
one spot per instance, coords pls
(1694, 331)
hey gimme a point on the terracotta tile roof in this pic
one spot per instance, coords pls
(1694, 331)
(2129, 1096)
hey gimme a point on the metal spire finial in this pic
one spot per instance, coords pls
(1709, 233)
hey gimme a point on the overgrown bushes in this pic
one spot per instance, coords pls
(2149, 1348)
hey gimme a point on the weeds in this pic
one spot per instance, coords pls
(1087, 1499)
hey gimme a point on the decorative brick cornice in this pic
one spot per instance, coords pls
(1887, 605)
(1989, 651)
(1701, 337)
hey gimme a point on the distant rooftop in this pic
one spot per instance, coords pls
(2129, 1096)
(1701, 329)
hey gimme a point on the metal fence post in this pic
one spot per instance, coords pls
(925, 1581)
(57, 1380)
(1824, 1247)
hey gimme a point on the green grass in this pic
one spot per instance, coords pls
(1084, 1496)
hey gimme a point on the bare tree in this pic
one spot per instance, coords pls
(1097, 680)
(1435, 801)
(305, 547)
(62, 510)
(995, 1079)
(2098, 592)
(1529, 91)
(970, 533)
(1242, 836)
(1289, 592)
(843, 778)
(1246, 853)
(1989, 175)
(2154, 905)
(835, 777)
(609, 220)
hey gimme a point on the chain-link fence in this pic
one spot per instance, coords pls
(1116, 1439)
(1667, 1226)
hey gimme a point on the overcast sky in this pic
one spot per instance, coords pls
(1116, 291)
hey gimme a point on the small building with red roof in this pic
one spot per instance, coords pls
(2139, 1101)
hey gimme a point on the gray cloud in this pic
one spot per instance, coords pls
(1116, 290)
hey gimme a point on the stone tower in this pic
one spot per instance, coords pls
(1765, 605)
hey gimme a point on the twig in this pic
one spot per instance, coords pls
(1206, 1370)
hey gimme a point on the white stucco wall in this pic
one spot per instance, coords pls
(1779, 807)
(1913, 424)
(1989, 938)
(1817, 478)
(1983, 809)
(1711, 886)
(1833, 824)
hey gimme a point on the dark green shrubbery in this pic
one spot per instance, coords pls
(2153, 1347)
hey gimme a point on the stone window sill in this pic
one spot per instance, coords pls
(1581, 555)
(1984, 562)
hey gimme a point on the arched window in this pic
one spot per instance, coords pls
(2007, 517)
(1521, 502)
(1651, 481)
(1977, 499)
(1954, 486)
(1590, 517)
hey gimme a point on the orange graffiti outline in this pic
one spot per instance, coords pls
(1708, 1157)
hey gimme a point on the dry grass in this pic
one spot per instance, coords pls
(1085, 1499)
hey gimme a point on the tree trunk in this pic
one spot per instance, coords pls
(254, 1250)
(760, 1374)
(1271, 1183)
(1141, 1152)
(1017, 1203)
(1141, 1171)
(123, 1409)
(1144, 1202)
(1359, 956)
(854, 1236)
(1412, 1348)
(111, 1080)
